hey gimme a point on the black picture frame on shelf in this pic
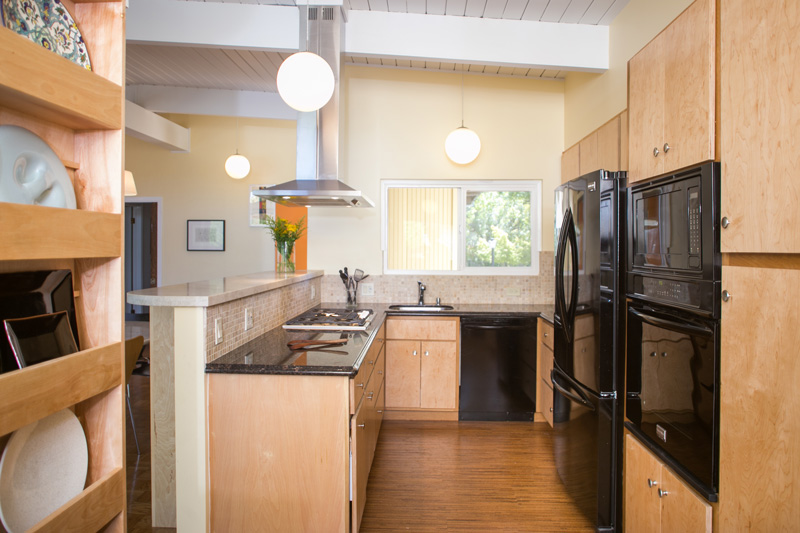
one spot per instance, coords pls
(205, 235)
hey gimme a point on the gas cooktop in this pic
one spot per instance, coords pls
(334, 319)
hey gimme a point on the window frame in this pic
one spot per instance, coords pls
(462, 186)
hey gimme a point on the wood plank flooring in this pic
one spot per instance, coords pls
(427, 476)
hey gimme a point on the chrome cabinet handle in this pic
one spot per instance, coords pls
(725, 222)
(362, 426)
(663, 354)
(655, 151)
(360, 385)
(653, 354)
(662, 493)
(545, 335)
(379, 411)
(380, 372)
(427, 353)
(414, 352)
(726, 296)
(372, 362)
(666, 147)
(551, 409)
(651, 483)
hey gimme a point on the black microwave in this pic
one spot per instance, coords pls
(673, 240)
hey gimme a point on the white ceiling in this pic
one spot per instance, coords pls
(243, 65)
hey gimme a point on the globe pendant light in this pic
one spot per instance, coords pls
(305, 80)
(237, 166)
(463, 145)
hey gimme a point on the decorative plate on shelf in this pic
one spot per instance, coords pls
(43, 466)
(31, 172)
(48, 23)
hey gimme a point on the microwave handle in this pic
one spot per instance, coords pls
(684, 327)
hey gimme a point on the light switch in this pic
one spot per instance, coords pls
(217, 330)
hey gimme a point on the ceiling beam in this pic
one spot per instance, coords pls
(477, 41)
(152, 128)
(516, 43)
(219, 102)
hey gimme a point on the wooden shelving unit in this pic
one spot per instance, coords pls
(79, 113)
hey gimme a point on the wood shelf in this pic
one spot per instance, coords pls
(34, 392)
(45, 85)
(57, 233)
(90, 510)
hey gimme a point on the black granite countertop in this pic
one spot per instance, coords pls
(269, 353)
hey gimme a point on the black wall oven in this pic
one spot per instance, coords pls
(673, 287)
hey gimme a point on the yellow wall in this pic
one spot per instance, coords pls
(195, 186)
(593, 99)
(396, 124)
(395, 121)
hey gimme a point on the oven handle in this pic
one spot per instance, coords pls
(684, 327)
(577, 398)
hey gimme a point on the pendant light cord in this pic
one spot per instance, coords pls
(462, 98)
(237, 135)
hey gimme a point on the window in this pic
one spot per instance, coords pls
(461, 227)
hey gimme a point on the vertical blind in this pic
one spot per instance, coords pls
(422, 228)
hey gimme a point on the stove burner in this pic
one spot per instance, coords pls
(342, 319)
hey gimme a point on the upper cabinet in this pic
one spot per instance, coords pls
(759, 125)
(601, 149)
(671, 95)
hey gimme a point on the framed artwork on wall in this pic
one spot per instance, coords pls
(205, 235)
(260, 208)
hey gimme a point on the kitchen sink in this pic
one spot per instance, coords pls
(414, 307)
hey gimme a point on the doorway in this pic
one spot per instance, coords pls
(142, 261)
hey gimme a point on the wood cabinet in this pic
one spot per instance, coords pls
(671, 95)
(759, 402)
(78, 113)
(293, 452)
(544, 364)
(601, 149)
(760, 120)
(422, 366)
(655, 499)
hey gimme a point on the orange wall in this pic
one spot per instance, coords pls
(294, 214)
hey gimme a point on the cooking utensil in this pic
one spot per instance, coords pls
(358, 277)
(344, 277)
(302, 344)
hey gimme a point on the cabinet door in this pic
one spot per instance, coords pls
(759, 125)
(402, 373)
(570, 164)
(689, 87)
(642, 506)
(545, 400)
(759, 401)
(608, 145)
(359, 448)
(439, 375)
(681, 509)
(624, 141)
(646, 111)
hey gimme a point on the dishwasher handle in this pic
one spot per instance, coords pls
(486, 326)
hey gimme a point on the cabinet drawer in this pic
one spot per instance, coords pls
(374, 358)
(434, 328)
(546, 333)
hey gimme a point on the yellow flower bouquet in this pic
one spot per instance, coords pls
(285, 234)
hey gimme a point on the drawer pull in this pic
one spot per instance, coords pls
(545, 335)
(662, 493)
(414, 352)
(427, 353)
(380, 372)
(551, 409)
(362, 426)
(370, 395)
(651, 483)
(379, 412)
(360, 385)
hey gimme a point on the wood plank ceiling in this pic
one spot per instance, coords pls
(255, 70)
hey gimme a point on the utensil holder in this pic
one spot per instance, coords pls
(351, 297)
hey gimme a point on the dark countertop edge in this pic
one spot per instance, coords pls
(380, 316)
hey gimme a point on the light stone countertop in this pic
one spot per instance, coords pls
(217, 291)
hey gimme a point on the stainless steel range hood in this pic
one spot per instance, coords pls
(318, 132)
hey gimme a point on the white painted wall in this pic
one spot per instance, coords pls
(194, 185)
(396, 124)
(593, 99)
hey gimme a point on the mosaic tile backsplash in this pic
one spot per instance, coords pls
(453, 289)
(270, 310)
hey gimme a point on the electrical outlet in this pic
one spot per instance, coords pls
(367, 289)
(217, 330)
(512, 291)
(248, 319)
(313, 292)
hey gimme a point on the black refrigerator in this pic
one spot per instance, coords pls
(587, 377)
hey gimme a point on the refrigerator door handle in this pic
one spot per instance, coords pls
(573, 304)
(577, 398)
(682, 326)
(561, 304)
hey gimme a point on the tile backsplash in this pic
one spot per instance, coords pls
(270, 310)
(453, 289)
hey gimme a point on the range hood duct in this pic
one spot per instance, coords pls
(318, 132)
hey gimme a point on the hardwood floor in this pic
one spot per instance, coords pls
(427, 476)
(467, 476)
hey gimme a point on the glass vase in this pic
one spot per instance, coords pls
(284, 258)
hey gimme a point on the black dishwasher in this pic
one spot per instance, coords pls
(498, 368)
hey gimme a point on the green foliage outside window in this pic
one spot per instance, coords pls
(502, 218)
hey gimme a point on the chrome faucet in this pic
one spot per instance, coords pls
(421, 293)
